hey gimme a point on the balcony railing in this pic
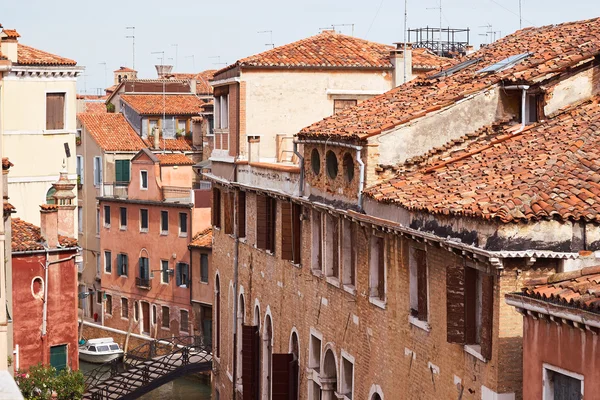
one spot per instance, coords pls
(143, 283)
(115, 189)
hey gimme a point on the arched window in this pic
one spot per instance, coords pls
(218, 317)
(329, 376)
(376, 396)
(267, 358)
(295, 350)
(241, 320)
(50, 196)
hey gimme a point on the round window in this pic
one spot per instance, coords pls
(349, 166)
(332, 164)
(315, 161)
(37, 287)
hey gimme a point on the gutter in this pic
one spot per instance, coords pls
(44, 251)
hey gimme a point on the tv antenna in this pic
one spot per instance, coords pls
(405, 32)
(439, 8)
(218, 60)
(105, 73)
(176, 57)
(132, 37)
(520, 16)
(271, 38)
(193, 62)
(162, 56)
(489, 33)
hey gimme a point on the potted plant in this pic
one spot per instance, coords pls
(78, 140)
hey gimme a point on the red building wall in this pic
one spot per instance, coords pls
(28, 308)
(562, 346)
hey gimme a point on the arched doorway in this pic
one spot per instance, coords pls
(329, 376)
(267, 358)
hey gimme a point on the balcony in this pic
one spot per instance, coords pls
(117, 190)
(143, 283)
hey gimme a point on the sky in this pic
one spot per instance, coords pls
(196, 35)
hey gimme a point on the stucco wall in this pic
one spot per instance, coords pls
(177, 175)
(202, 292)
(578, 87)
(153, 192)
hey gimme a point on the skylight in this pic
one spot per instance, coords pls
(455, 69)
(505, 64)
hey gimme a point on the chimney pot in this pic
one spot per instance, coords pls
(163, 70)
(49, 224)
(9, 43)
(397, 58)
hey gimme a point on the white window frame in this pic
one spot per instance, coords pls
(122, 226)
(162, 262)
(183, 234)
(414, 290)
(163, 232)
(106, 225)
(80, 219)
(98, 218)
(548, 389)
(64, 128)
(145, 230)
(374, 264)
(350, 359)
(80, 169)
(142, 173)
(98, 178)
(106, 264)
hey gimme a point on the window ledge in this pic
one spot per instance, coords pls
(183, 235)
(419, 324)
(125, 319)
(377, 302)
(350, 289)
(163, 233)
(107, 226)
(243, 240)
(204, 283)
(297, 265)
(165, 329)
(317, 272)
(123, 228)
(475, 351)
(333, 281)
(143, 230)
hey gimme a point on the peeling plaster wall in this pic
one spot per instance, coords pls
(576, 88)
(440, 127)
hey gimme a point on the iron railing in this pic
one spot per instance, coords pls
(143, 283)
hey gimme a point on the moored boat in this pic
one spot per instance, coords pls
(99, 351)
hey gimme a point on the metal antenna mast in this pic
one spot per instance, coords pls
(105, 73)
(489, 33)
(520, 16)
(352, 25)
(132, 37)
(405, 31)
(441, 47)
(271, 38)
(218, 60)
(176, 56)
(193, 62)
(164, 122)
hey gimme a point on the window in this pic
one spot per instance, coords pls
(241, 213)
(152, 126)
(98, 265)
(154, 312)
(183, 226)
(332, 164)
(182, 274)
(332, 235)
(561, 384)
(348, 165)
(317, 244)
(99, 297)
(348, 253)
(124, 308)
(144, 220)
(266, 208)
(136, 311)
(532, 106)
(216, 208)
(143, 180)
(221, 118)
(165, 317)
(418, 284)
(339, 105)
(108, 304)
(377, 268)
(55, 111)
(291, 231)
(80, 170)
(314, 355)
(123, 215)
(144, 272)
(107, 216)
(164, 222)
(58, 357)
(97, 221)
(50, 196)
(122, 264)
(80, 219)
(315, 161)
(97, 171)
(164, 274)
(204, 268)
(107, 262)
(183, 321)
(122, 172)
(347, 375)
(182, 126)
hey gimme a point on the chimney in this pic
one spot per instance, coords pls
(193, 83)
(49, 224)
(469, 49)
(398, 56)
(66, 208)
(9, 43)
(163, 70)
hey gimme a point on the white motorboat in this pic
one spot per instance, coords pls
(99, 351)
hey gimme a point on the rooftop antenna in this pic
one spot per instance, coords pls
(218, 60)
(176, 57)
(193, 62)
(85, 83)
(271, 38)
(105, 73)
(405, 30)
(489, 33)
(132, 37)
(439, 8)
(520, 16)
(351, 25)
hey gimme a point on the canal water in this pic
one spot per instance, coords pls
(179, 389)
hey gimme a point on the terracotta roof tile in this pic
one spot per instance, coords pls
(11, 33)
(202, 79)
(552, 48)
(325, 50)
(94, 107)
(125, 69)
(8, 208)
(203, 239)
(171, 104)
(29, 56)
(174, 159)
(547, 171)
(111, 132)
(27, 237)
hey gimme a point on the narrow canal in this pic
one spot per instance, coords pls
(179, 389)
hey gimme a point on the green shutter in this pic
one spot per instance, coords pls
(122, 171)
(58, 357)
(178, 275)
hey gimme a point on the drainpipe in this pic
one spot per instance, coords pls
(361, 181)
(235, 288)
(301, 159)
(524, 89)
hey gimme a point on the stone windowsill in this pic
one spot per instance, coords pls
(419, 324)
(333, 281)
(475, 351)
(377, 302)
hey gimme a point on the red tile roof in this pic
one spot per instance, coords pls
(425, 59)
(553, 48)
(202, 79)
(177, 144)
(203, 239)
(11, 33)
(94, 107)
(575, 289)
(124, 69)
(29, 56)
(28, 237)
(111, 132)
(325, 50)
(174, 159)
(170, 104)
(548, 171)
(110, 89)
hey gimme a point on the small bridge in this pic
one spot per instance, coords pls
(147, 367)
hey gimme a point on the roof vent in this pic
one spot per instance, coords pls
(163, 70)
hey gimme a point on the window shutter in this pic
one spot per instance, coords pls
(186, 274)
(487, 315)
(261, 222)
(455, 304)
(125, 264)
(296, 232)
(241, 213)
(216, 208)
(381, 272)
(250, 362)
(141, 264)
(118, 171)
(282, 376)
(178, 275)
(126, 171)
(470, 294)
(287, 247)
(119, 264)
(421, 258)
(228, 205)
(271, 223)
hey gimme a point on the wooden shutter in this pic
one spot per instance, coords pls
(335, 259)
(216, 208)
(119, 264)
(283, 377)
(381, 269)
(261, 222)
(55, 108)
(470, 295)
(353, 252)
(296, 232)
(455, 303)
(287, 246)
(487, 315)
(228, 206)
(421, 259)
(271, 222)
(250, 362)
(241, 213)
(125, 261)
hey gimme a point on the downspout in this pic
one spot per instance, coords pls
(524, 89)
(301, 159)
(361, 181)
(235, 288)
